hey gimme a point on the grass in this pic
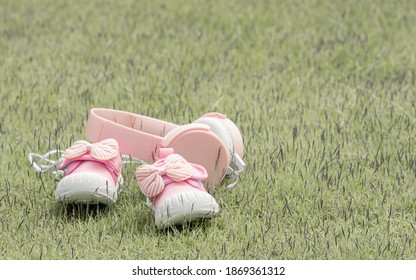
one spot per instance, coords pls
(323, 92)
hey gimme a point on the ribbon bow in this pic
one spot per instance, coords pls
(150, 178)
(104, 150)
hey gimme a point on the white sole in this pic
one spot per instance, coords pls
(185, 207)
(87, 188)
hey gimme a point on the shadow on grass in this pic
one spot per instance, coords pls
(118, 216)
(82, 211)
(142, 221)
(187, 227)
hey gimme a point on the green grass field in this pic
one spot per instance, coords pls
(324, 93)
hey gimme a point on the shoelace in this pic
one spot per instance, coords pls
(235, 175)
(47, 165)
(234, 170)
(43, 163)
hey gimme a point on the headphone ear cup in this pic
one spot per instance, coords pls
(221, 130)
(199, 145)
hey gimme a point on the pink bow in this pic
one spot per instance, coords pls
(104, 150)
(150, 178)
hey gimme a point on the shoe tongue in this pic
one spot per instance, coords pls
(167, 180)
(165, 152)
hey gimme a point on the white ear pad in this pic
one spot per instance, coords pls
(231, 139)
(218, 127)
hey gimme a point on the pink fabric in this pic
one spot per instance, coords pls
(104, 150)
(169, 168)
(104, 153)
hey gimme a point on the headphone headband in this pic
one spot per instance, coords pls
(138, 136)
(142, 137)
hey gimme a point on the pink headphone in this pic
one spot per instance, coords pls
(212, 141)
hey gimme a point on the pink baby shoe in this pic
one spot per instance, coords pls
(175, 190)
(88, 172)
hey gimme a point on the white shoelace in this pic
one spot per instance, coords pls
(47, 165)
(131, 160)
(237, 166)
(43, 163)
(235, 175)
